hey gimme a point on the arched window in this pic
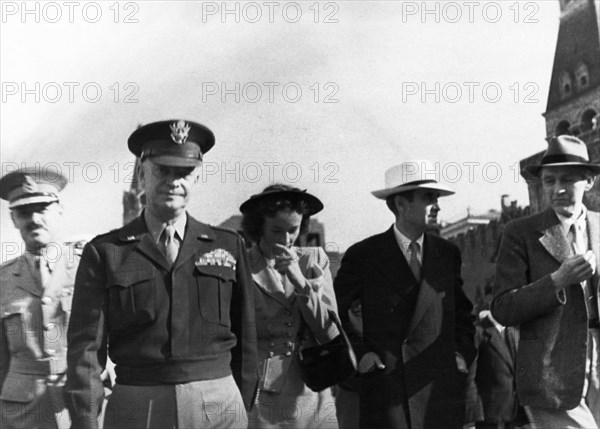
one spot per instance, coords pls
(562, 128)
(582, 76)
(587, 120)
(565, 83)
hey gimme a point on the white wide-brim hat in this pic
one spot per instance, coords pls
(411, 175)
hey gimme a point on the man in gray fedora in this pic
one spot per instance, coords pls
(417, 339)
(547, 284)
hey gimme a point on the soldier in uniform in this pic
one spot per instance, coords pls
(35, 303)
(173, 299)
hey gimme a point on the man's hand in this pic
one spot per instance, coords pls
(574, 270)
(369, 363)
(461, 364)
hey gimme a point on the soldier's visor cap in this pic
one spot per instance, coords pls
(175, 143)
(31, 186)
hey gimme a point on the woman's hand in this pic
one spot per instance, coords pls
(286, 262)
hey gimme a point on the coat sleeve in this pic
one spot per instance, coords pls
(318, 297)
(4, 353)
(348, 285)
(87, 343)
(464, 319)
(244, 355)
(517, 299)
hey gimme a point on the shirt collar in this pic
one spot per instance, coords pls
(156, 226)
(566, 222)
(32, 259)
(403, 241)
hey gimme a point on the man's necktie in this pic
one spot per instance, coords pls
(577, 241)
(414, 263)
(579, 247)
(43, 271)
(170, 243)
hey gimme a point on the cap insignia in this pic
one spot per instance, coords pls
(179, 132)
(29, 185)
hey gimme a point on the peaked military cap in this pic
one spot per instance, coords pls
(176, 143)
(31, 186)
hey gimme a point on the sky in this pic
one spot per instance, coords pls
(324, 96)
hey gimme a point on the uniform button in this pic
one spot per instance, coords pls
(288, 312)
(272, 345)
(271, 354)
(46, 300)
(288, 324)
(288, 353)
(289, 334)
(289, 344)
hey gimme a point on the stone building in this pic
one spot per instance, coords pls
(574, 97)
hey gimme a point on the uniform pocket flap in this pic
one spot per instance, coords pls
(129, 278)
(20, 388)
(224, 273)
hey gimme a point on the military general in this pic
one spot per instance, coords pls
(169, 299)
(35, 303)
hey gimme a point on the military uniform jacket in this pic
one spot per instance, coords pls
(33, 343)
(553, 326)
(164, 325)
(416, 338)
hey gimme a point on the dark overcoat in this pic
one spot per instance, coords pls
(415, 332)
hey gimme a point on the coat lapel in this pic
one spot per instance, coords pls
(264, 277)
(138, 231)
(499, 344)
(24, 278)
(427, 293)
(194, 233)
(390, 261)
(593, 226)
(553, 239)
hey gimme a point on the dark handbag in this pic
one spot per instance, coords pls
(328, 364)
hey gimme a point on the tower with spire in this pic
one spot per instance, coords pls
(574, 95)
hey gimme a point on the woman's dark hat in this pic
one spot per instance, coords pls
(313, 204)
(564, 151)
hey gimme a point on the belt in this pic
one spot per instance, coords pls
(594, 323)
(48, 366)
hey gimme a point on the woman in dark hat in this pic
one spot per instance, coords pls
(293, 291)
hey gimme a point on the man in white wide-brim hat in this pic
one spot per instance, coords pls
(547, 283)
(417, 340)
